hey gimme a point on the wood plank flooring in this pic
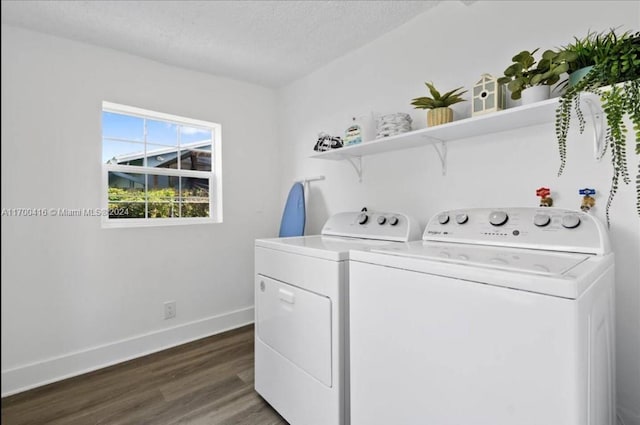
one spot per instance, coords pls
(205, 382)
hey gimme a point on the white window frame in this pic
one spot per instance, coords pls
(214, 176)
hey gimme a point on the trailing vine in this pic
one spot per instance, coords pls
(571, 100)
(613, 104)
(563, 119)
(615, 79)
(633, 107)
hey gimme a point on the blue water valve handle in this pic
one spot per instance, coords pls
(588, 201)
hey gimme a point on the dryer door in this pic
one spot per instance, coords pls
(297, 324)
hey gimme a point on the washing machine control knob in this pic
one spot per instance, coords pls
(443, 218)
(462, 218)
(498, 218)
(363, 218)
(393, 220)
(570, 221)
(381, 220)
(541, 220)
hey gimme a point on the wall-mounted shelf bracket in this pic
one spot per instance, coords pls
(441, 148)
(356, 163)
(597, 117)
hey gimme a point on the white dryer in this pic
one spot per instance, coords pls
(498, 317)
(301, 289)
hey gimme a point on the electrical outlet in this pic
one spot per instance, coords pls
(169, 310)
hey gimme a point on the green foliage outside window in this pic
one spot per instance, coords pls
(163, 203)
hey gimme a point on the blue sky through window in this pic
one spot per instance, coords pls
(120, 126)
(131, 128)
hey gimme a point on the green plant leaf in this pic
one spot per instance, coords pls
(544, 64)
(567, 56)
(552, 80)
(516, 85)
(536, 79)
(453, 93)
(513, 70)
(525, 58)
(549, 55)
(561, 69)
(435, 93)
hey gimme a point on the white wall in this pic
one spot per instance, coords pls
(453, 45)
(75, 296)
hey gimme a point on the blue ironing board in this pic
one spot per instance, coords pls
(294, 214)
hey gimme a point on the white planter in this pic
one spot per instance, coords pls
(535, 94)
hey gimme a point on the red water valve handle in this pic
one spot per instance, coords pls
(543, 192)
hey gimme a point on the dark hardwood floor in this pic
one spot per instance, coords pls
(205, 382)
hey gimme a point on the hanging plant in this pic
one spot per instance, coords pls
(615, 80)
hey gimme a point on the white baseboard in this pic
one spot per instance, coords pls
(629, 416)
(44, 372)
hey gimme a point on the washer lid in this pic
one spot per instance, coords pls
(559, 274)
(545, 263)
(327, 247)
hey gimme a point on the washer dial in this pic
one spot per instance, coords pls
(498, 218)
(462, 218)
(541, 220)
(570, 221)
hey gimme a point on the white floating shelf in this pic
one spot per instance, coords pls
(508, 119)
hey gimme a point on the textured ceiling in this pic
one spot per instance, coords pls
(266, 42)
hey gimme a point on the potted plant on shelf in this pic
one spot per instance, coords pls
(529, 79)
(585, 50)
(438, 105)
(615, 80)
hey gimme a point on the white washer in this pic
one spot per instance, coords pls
(498, 317)
(301, 293)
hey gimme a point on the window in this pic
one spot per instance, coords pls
(159, 169)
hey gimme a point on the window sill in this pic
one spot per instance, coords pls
(155, 222)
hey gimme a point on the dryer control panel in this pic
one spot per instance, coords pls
(387, 226)
(552, 229)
